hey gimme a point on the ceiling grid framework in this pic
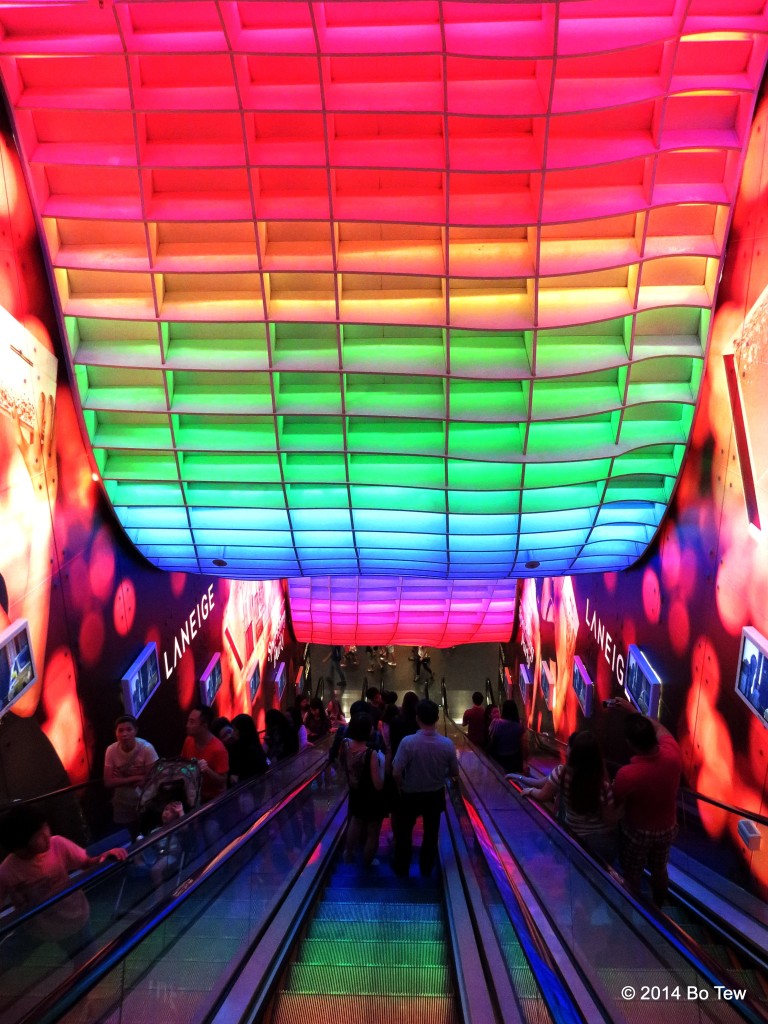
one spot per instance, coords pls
(386, 289)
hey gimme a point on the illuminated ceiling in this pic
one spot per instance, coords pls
(386, 289)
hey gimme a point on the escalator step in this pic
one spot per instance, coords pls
(718, 952)
(368, 981)
(749, 979)
(514, 956)
(356, 911)
(391, 893)
(524, 983)
(373, 953)
(379, 931)
(534, 1011)
(292, 1008)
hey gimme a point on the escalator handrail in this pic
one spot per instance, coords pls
(485, 995)
(669, 930)
(699, 959)
(247, 992)
(88, 974)
(543, 966)
(86, 881)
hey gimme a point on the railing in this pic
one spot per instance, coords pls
(573, 876)
(81, 812)
(124, 893)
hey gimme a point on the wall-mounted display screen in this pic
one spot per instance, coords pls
(141, 680)
(210, 680)
(525, 682)
(583, 686)
(752, 680)
(642, 683)
(17, 665)
(280, 679)
(507, 683)
(254, 682)
(547, 685)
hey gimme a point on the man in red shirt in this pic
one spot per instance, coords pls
(646, 789)
(474, 719)
(210, 752)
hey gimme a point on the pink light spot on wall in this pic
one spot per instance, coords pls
(610, 581)
(689, 573)
(63, 724)
(78, 583)
(679, 626)
(651, 596)
(124, 607)
(178, 582)
(91, 637)
(705, 666)
(101, 570)
(185, 681)
(670, 559)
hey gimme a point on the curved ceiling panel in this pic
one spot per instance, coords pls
(409, 289)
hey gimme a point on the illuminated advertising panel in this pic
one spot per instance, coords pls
(583, 686)
(17, 664)
(141, 680)
(642, 684)
(210, 680)
(752, 680)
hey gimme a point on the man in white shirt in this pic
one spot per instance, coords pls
(422, 765)
(126, 764)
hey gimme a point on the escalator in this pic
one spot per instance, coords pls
(621, 944)
(121, 895)
(730, 940)
(518, 930)
(377, 948)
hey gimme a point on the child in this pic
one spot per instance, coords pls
(37, 867)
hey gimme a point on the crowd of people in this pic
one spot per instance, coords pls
(396, 765)
(632, 817)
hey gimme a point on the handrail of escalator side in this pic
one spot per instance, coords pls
(88, 974)
(544, 967)
(252, 984)
(688, 948)
(113, 867)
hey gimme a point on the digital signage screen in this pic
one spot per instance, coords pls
(17, 664)
(141, 680)
(547, 685)
(210, 680)
(254, 682)
(583, 686)
(642, 684)
(752, 679)
(280, 679)
(525, 682)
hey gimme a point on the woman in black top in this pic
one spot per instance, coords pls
(246, 754)
(281, 736)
